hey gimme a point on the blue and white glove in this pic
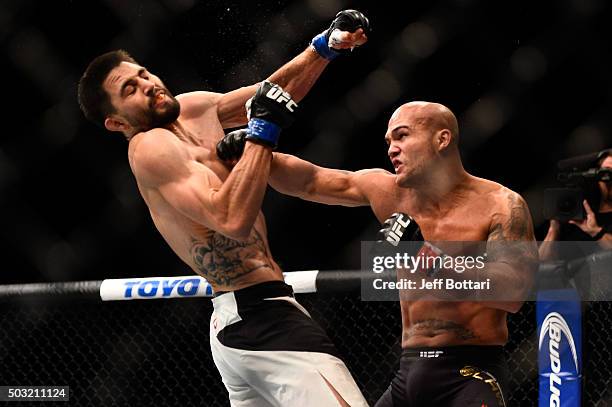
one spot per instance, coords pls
(341, 37)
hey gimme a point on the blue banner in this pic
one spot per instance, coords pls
(559, 348)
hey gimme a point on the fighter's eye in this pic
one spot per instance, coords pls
(129, 90)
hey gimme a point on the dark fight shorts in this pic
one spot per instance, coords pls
(457, 376)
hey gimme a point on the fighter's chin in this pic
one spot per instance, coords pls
(406, 180)
(400, 180)
(166, 115)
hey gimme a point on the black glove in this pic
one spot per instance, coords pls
(269, 110)
(403, 228)
(231, 147)
(346, 20)
(400, 228)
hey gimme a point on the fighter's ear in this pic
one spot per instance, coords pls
(115, 124)
(444, 138)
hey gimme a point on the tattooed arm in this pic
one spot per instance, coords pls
(512, 254)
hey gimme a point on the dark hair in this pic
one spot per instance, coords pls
(93, 99)
(603, 154)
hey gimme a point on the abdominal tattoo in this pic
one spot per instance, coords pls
(432, 327)
(222, 260)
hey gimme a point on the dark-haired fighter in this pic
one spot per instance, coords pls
(452, 350)
(267, 348)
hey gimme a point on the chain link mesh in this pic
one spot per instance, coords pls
(597, 355)
(157, 352)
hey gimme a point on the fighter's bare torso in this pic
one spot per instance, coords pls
(227, 264)
(465, 215)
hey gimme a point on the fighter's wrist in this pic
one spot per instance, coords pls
(320, 44)
(263, 132)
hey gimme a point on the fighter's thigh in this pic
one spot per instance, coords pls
(301, 378)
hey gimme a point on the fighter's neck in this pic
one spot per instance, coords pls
(179, 129)
(441, 189)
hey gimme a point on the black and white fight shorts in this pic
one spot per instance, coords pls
(270, 352)
(457, 376)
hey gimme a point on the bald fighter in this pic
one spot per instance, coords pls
(452, 351)
(267, 348)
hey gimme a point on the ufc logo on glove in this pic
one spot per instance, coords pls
(397, 229)
(276, 93)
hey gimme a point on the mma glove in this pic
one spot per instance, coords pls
(269, 110)
(400, 228)
(403, 228)
(347, 21)
(231, 147)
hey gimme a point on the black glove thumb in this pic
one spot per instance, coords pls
(231, 147)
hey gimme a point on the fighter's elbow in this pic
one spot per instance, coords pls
(238, 230)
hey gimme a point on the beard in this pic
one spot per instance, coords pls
(169, 114)
(158, 117)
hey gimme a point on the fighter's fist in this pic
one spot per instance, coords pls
(400, 228)
(350, 29)
(269, 110)
(231, 147)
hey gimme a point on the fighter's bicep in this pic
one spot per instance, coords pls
(230, 106)
(511, 238)
(161, 165)
(512, 220)
(192, 195)
(337, 187)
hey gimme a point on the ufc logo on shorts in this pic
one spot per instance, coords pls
(276, 93)
(430, 353)
(397, 230)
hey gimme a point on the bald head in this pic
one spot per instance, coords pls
(432, 116)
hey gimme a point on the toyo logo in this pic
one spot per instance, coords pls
(555, 326)
(163, 287)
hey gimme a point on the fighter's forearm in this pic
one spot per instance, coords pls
(239, 200)
(296, 77)
(299, 75)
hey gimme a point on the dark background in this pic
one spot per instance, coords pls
(529, 82)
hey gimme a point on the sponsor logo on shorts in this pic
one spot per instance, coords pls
(488, 378)
(431, 353)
